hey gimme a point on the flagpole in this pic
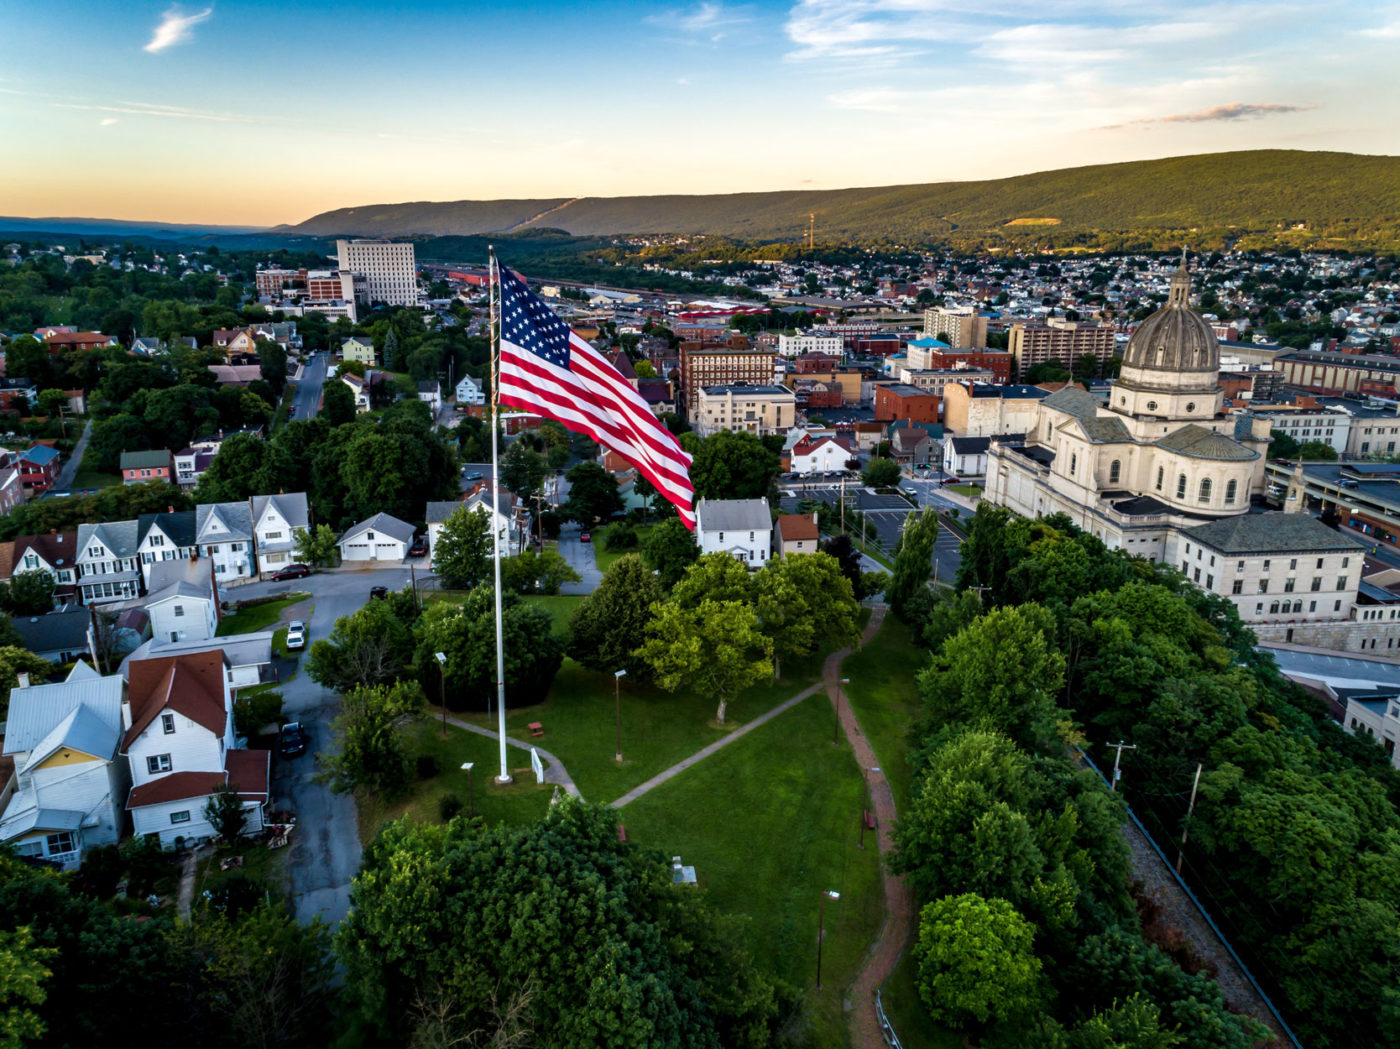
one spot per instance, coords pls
(495, 503)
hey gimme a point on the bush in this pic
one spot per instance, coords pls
(622, 537)
(427, 766)
(237, 894)
(146, 862)
(100, 872)
(448, 806)
(252, 712)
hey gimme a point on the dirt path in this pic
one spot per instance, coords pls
(899, 904)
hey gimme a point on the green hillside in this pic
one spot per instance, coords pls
(1280, 195)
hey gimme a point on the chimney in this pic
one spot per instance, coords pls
(24, 679)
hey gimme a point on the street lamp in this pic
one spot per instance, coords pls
(442, 689)
(836, 731)
(471, 799)
(618, 675)
(821, 929)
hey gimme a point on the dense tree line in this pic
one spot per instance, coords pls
(1295, 840)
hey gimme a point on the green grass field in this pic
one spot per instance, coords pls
(971, 491)
(770, 823)
(604, 557)
(885, 698)
(261, 617)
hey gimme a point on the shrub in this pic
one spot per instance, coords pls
(622, 537)
(427, 766)
(448, 806)
(252, 712)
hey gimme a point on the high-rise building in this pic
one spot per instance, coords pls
(703, 366)
(1059, 340)
(388, 268)
(960, 327)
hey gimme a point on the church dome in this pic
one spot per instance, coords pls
(1176, 338)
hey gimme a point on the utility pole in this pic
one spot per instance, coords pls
(1181, 851)
(811, 228)
(539, 522)
(1120, 746)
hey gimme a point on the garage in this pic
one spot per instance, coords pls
(380, 538)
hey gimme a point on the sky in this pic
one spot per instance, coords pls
(264, 113)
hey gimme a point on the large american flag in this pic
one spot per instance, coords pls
(547, 368)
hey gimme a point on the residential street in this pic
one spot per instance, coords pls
(307, 399)
(64, 481)
(324, 853)
(580, 556)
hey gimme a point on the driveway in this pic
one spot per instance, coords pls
(324, 854)
(64, 480)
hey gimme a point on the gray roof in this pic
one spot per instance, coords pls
(82, 730)
(222, 522)
(64, 631)
(120, 537)
(1200, 443)
(180, 578)
(140, 460)
(177, 527)
(36, 710)
(291, 506)
(381, 522)
(240, 650)
(438, 512)
(24, 815)
(1272, 533)
(1106, 429)
(733, 515)
(1075, 401)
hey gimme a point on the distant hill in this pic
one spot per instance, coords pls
(109, 227)
(1349, 198)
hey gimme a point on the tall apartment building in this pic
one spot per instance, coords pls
(388, 268)
(703, 366)
(960, 327)
(1059, 340)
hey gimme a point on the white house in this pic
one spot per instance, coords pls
(360, 388)
(108, 563)
(55, 553)
(380, 538)
(69, 785)
(469, 391)
(247, 657)
(742, 528)
(224, 532)
(183, 602)
(505, 521)
(966, 456)
(277, 519)
(820, 455)
(430, 393)
(178, 720)
(165, 537)
(60, 637)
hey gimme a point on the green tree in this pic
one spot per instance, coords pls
(1317, 450)
(522, 470)
(715, 648)
(1282, 445)
(913, 559)
(111, 437)
(730, 466)
(28, 593)
(880, 473)
(272, 362)
(537, 573)
(1086, 368)
(714, 577)
(225, 813)
(593, 494)
(337, 403)
(13, 660)
(608, 625)
(1133, 1024)
(371, 647)
(236, 472)
(976, 962)
(316, 546)
(369, 752)
(51, 401)
(22, 975)
(1047, 371)
(463, 551)
(803, 602)
(669, 549)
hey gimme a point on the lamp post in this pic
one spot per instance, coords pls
(618, 675)
(471, 798)
(821, 929)
(442, 688)
(836, 730)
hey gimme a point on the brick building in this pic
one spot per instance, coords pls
(895, 401)
(702, 366)
(1060, 340)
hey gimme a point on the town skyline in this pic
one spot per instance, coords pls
(181, 104)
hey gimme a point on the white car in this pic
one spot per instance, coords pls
(296, 634)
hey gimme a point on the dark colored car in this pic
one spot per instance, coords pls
(419, 547)
(378, 593)
(292, 572)
(293, 740)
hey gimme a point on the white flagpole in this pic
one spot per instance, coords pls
(495, 503)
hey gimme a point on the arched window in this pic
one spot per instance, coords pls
(1273, 608)
(1181, 487)
(1161, 476)
(1231, 487)
(1115, 469)
(1297, 606)
(1204, 495)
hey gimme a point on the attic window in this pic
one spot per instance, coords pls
(167, 723)
(369, 535)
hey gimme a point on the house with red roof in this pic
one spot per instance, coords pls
(798, 534)
(820, 455)
(177, 722)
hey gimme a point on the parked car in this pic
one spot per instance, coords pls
(419, 547)
(291, 410)
(292, 740)
(292, 572)
(473, 476)
(378, 593)
(585, 537)
(296, 634)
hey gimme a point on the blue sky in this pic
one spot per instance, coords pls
(263, 113)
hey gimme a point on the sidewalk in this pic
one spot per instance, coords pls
(554, 771)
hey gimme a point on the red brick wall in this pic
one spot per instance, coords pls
(920, 408)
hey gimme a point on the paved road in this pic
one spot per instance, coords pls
(580, 555)
(307, 399)
(324, 854)
(64, 481)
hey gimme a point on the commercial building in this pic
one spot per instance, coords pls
(961, 327)
(744, 409)
(810, 342)
(703, 366)
(388, 268)
(1060, 340)
(1339, 373)
(896, 401)
(979, 409)
(929, 354)
(1307, 421)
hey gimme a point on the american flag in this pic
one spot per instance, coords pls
(547, 368)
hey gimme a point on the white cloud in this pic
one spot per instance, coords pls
(711, 21)
(156, 109)
(107, 122)
(1385, 32)
(175, 28)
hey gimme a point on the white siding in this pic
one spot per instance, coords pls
(192, 748)
(196, 624)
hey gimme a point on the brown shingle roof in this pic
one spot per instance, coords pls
(793, 527)
(248, 771)
(59, 549)
(192, 684)
(7, 560)
(175, 787)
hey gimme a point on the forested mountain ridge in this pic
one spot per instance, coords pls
(1292, 196)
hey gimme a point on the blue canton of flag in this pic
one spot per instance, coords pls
(530, 324)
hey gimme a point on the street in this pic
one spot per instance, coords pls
(307, 399)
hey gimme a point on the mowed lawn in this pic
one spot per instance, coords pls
(884, 694)
(770, 823)
(260, 617)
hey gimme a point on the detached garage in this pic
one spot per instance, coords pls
(381, 538)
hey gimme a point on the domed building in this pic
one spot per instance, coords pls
(1160, 456)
